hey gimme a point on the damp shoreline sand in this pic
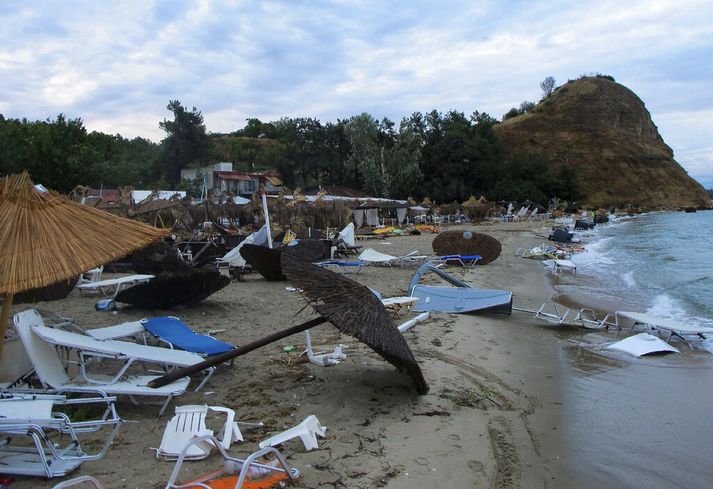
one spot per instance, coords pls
(492, 418)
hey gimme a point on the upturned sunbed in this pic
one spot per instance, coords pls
(672, 327)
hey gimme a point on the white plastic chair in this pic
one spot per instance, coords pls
(306, 431)
(188, 424)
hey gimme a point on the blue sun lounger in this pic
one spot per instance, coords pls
(177, 334)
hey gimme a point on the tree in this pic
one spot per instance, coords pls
(547, 85)
(186, 142)
(388, 161)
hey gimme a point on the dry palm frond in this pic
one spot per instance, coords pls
(46, 238)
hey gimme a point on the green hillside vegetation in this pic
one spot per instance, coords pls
(576, 137)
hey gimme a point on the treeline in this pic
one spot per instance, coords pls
(445, 157)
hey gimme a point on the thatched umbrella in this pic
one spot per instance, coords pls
(46, 238)
(170, 289)
(355, 310)
(349, 306)
(467, 243)
(267, 260)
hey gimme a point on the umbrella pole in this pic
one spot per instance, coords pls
(229, 355)
(4, 315)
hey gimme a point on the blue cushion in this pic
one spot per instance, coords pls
(176, 332)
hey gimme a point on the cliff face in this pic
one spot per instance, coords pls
(602, 131)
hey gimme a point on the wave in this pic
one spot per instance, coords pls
(628, 279)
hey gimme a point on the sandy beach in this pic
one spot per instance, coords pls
(493, 418)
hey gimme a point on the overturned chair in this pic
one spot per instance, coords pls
(40, 440)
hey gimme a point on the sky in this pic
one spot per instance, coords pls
(117, 64)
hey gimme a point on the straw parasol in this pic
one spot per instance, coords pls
(467, 243)
(267, 260)
(45, 238)
(354, 310)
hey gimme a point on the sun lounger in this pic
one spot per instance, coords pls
(342, 266)
(113, 286)
(371, 256)
(41, 440)
(461, 298)
(470, 260)
(50, 370)
(672, 327)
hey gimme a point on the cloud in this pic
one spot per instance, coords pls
(116, 65)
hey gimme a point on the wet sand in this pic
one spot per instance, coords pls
(513, 402)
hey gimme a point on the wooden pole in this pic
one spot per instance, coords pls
(4, 316)
(229, 355)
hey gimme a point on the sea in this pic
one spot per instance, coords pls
(631, 422)
(657, 263)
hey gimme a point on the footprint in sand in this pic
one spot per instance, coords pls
(476, 466)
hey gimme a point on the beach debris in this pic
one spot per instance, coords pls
(461, 298)
(642, 344)
(264, 468)
(189, 423)
(467, 243)
(74, 482)
(405, 326)
(554, 313)
(560, 235)
(46, 238)
(323, 359)
(558, 265)
(306, 430)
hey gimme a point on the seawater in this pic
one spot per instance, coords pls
(658, 263)
(632, 422)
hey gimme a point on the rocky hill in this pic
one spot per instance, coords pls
(602, 131)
